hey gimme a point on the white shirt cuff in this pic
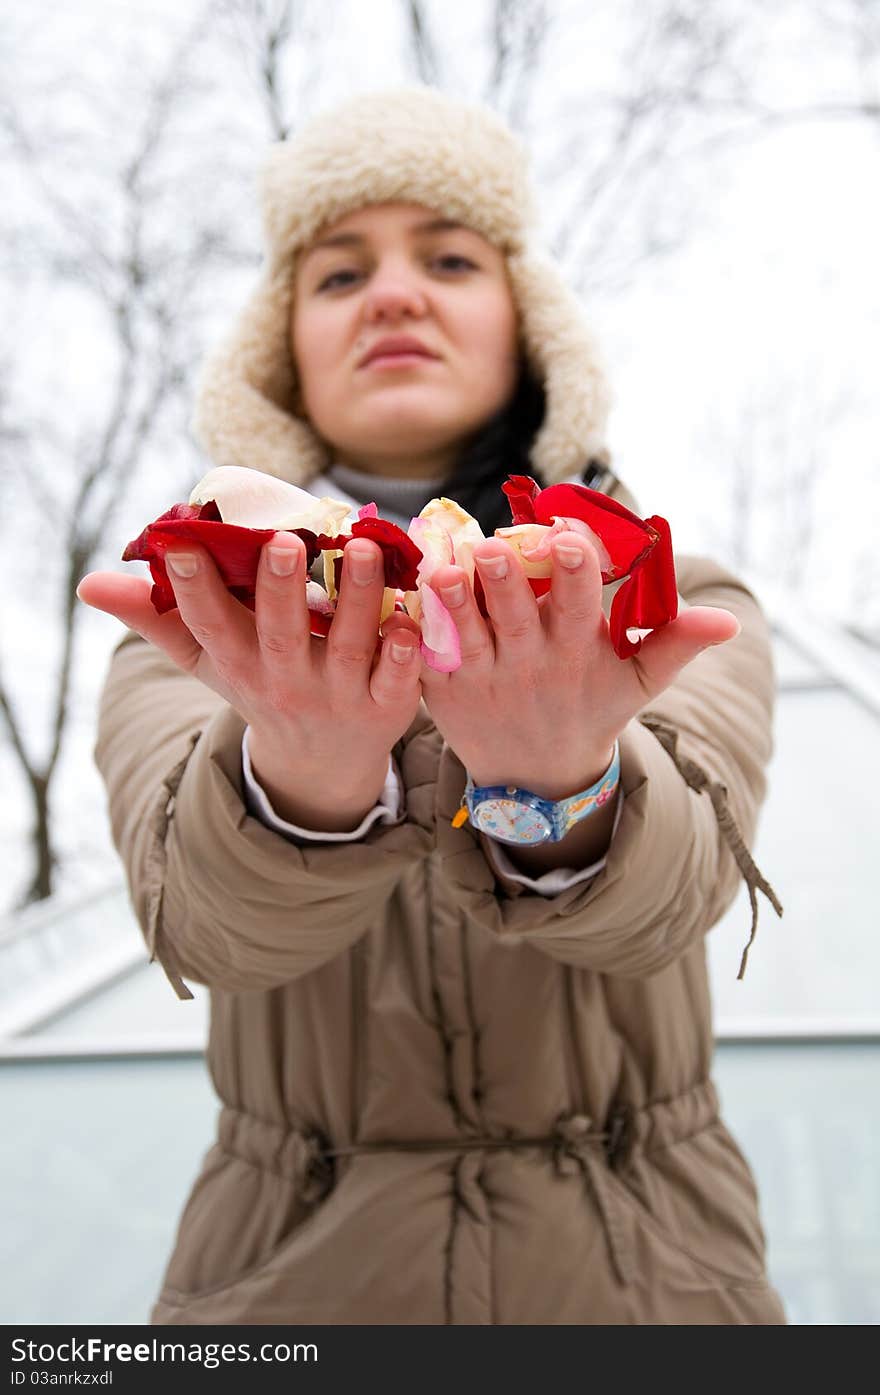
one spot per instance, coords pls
(560, 878)
(387, 810)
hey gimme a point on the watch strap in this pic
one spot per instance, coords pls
(525, 811)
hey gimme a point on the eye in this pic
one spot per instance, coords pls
(454, 261)
(333, 282)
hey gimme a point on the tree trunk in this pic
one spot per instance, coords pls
(45, 860)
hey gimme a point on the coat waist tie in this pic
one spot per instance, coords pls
(573, 1144)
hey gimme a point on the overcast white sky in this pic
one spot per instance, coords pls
(774, 298)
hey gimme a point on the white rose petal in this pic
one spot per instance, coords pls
(252, 499)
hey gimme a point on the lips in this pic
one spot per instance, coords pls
(398, 346)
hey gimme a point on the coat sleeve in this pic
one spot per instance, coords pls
(693, 780)
(220, 898)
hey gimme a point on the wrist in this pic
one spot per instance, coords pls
(315, 795)
(518, 814)
(552, 784)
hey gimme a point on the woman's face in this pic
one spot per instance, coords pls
(398, 276)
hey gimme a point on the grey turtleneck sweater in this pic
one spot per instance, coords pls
(398, 500)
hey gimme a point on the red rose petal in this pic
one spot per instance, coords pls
(540, 585)
(400, 554)
(522, 491)
(626, 537)
(640, 549)
(234, 550)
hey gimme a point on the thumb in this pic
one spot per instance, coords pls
(666, 651)
(128, 598)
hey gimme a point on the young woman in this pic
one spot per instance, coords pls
(463, 1078)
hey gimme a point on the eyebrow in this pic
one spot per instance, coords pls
(353, 239)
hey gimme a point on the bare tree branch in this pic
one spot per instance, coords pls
(13, 726)
(518, 31)
(144, 305)
(264, 29)
(422, 45)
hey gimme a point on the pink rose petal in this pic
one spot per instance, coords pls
(441, 645)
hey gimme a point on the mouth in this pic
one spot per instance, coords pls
(401, 351)
(405, 359)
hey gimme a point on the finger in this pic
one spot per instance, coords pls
(281, 614)
(219, 623)
(128, 598)
(666, 651)
(510, 601)
(399, 621)
(573, 609)
(395, 679)
(354, 633)
(475, 636)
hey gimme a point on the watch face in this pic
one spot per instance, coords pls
(511, 821)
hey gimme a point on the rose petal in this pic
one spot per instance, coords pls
(236, 552)
(531, 543)
(321, 609)
(462, 530)
(577, 525)
(649, 598)
(626, 537)
(435, 545)
(522, 491)
(540, 585)
(640, 549)
(389, 603)
(253, 499)
(441, 644)
(400, 556)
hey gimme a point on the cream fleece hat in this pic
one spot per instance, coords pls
(413, 145)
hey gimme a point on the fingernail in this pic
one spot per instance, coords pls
(401, 652)
(570, 557)
(182, 563)
(362, 566)
(455, 594)
(495, 567)
(282, 560)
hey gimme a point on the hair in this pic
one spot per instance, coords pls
(501, 447)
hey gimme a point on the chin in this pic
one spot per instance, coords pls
(398, 428)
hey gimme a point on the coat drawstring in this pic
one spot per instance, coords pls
(696, 777)
(573, 1143)
(577, 1140)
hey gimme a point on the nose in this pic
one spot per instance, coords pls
(392, 294)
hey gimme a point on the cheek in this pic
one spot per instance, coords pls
(315, 354)
(492, 333)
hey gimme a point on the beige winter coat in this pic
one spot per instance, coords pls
(446, 1098)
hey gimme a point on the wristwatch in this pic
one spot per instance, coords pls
(515, 815)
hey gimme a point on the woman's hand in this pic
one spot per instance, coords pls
(323, 713)
(541, 696)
